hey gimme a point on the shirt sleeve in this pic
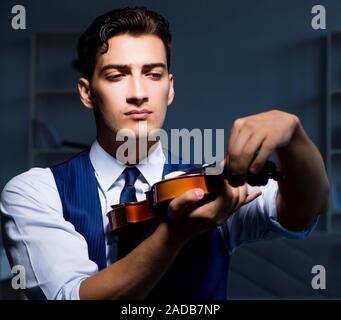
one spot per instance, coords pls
(37, 237)
(258, 221)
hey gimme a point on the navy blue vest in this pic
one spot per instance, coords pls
(198, 272)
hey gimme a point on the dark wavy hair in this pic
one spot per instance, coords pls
(135, 21)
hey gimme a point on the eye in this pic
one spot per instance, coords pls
(115, 77)
(155, 75)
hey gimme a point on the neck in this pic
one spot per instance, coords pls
(128, 152)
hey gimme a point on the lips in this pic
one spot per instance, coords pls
(138, 114)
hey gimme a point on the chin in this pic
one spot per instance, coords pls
(138, 129)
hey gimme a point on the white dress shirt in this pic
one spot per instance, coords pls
(55, 255)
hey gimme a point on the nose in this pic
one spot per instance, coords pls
(136, 95)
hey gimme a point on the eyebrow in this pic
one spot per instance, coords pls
(126, 68)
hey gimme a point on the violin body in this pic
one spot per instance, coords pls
(158, 198)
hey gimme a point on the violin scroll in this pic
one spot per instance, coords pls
(261, 178)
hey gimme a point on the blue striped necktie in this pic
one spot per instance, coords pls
(131, 235)
(129, 192)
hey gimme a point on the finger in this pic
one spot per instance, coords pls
(238, 141)
(264, 152)
(207, 210)
(243, 196)
(247, 156)
(179, 204)
(249, 151)
(252, 196)
(218, 210)
(238, 156)
(234, 133)
(235, 129)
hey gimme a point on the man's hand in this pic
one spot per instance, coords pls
(187, 219)
(253, 139)
(304, 192)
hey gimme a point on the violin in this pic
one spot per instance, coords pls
(164, 191)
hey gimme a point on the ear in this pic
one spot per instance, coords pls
(171, 91)
(85, 92)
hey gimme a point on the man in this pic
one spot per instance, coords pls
(53, 218)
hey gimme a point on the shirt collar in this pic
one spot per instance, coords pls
(152, 166)
(108, 169)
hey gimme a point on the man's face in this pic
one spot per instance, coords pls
(131, 84)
